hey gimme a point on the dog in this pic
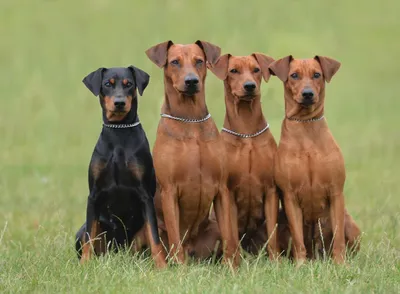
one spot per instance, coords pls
(309, 167)
(122, 180)
(188, 152)
(250, 148)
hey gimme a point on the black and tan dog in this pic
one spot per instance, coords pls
(122, 180)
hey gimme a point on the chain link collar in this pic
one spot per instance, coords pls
(306, 120)
(186, 120)
(246, 135)
(121, 126)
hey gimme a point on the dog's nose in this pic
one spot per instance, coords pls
(249, 86)
(307, 94)
(119, 102)
(191, 80)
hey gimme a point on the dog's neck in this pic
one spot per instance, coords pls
(179, 105)
(130, 118)
(242, 116)
(294, 110)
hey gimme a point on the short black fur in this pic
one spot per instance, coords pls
(122, 180)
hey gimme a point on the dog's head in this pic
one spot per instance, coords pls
(117, 89)
(305, 79)
(243, 74)
(184, 65)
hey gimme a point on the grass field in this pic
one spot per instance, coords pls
(49, 123)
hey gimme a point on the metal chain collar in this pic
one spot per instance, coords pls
(121, 126)
(186, 120)
(246, 135)
(306, 120)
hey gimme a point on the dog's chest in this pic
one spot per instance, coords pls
(249, 165)
(307, 167)
(193, 162)
(198, 171)
(250, 173)
(118, 169)
(116, 187)
(193, 168)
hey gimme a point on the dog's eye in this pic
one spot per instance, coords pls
(107, 84)
(128, 84)
(175, 62)
(317, 75)
(294, 76)
(199, 61)
(233, 70)
(256, 69)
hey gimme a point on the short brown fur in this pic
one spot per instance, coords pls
(189, 157)
(309, 166)
(250, 165)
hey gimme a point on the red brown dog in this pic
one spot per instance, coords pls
(309, 166)
(188, 153)
(250, 149)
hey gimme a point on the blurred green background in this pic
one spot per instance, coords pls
(49, 121)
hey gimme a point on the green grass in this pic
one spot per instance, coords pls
(49, 123)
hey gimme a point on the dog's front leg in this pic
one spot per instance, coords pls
(92, 230)
(271, 207)
(337, 221)
(234, 216)
(152, 236)
(169, 201)
(222, 212)
(295, 219)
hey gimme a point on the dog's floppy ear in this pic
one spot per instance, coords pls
(141, 78)
(329, 66)
(280, 68)
(220, 68)
(158, 53)
(264, 61)
(93, 81)
(211, 51)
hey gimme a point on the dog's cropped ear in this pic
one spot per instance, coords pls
(211, 51)
(158, 53)
(264, 61)
(280, 68)
(220, 68)
(141, 78)
(329, 66)
(93, 81)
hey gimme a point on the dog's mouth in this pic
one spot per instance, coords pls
(118, 112)
(116, 115)
(307, 103)
(190, 92)
(247, 97)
